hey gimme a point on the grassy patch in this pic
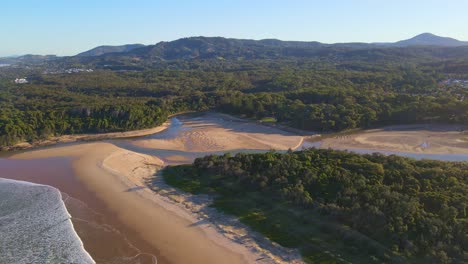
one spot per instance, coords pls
(268, 120)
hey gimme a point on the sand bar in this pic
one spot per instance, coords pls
(428, 139)
(219, 132)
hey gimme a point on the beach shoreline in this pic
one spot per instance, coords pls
(173, 228)
(46, 224)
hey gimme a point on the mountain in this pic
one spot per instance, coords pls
(137, 56)
(228, 48)
(101, 50)
(428, 39)
(218, 47)
(203, 48)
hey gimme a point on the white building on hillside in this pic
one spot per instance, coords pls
(21, 80)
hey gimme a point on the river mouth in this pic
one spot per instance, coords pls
(184, 124)
(104, 237)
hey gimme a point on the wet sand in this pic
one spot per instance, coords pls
(114, 175)
(104, 236)
(427, 139)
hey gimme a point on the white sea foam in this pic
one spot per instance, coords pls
(35, 226)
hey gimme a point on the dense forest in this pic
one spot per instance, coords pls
(303, 85)
(341, 207)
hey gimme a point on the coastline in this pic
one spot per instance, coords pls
(174, 228)
(73, 227)
(47, 222)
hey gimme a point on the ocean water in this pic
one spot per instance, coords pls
(35, 226)
(105, 238)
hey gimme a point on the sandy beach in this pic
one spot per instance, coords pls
(429, 139)
(118, 177)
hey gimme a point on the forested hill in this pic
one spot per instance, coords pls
(224, 48)
(430, 39)
(340, 207)
(306, 85)
(101, 50)
(422, 48)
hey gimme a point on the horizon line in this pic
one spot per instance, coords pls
(206, 36)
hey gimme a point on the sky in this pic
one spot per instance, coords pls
(65, 27)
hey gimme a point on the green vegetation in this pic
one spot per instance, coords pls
(306, 96)
(303, 85)
(268, 120)
(337, 206)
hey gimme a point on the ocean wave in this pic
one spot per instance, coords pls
(35, 226)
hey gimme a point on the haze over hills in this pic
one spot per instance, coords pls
(218, 46)
(428, 39)
(423, 45)
(109, 49)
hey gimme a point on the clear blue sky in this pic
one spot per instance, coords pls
(66, 27)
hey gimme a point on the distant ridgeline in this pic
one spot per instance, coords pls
(341, 207)
(307, 85)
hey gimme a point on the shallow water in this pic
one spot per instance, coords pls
(105, 238)
(177, 126)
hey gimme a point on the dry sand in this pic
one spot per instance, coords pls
(429, 139)
(218, 132)
(181, 230)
